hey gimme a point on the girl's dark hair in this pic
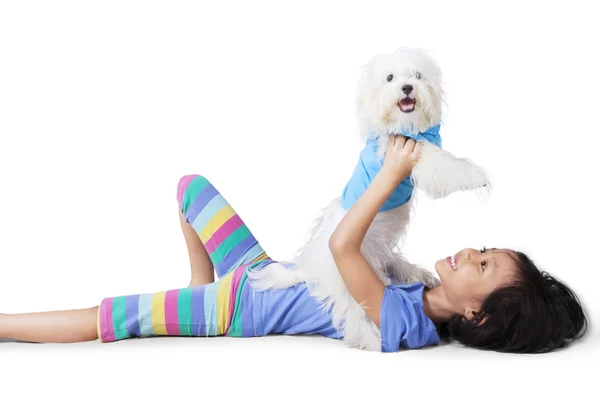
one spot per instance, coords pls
(536, 314)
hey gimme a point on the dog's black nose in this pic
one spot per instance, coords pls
(407, 89)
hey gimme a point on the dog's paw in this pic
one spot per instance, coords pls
(439, 173)
(476, 177)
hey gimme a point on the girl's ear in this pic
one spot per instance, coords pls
(471, 313)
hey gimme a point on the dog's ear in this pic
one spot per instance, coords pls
(366, 86)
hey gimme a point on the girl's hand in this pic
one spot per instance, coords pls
(401, 156)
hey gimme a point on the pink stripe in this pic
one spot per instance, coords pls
(171, 317)
(106, 322)
(223, 233)
(235, 282)
(183, 184)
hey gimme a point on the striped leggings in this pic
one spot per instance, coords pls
(209, 310)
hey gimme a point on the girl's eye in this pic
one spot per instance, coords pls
(418, 75)
(483, 263)
(390, 77)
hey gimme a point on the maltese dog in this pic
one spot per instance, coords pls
(398, 94)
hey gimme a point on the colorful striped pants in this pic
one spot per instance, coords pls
(208, 310)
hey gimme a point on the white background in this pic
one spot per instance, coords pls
(105, 105)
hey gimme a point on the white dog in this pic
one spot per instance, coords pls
(398, 93)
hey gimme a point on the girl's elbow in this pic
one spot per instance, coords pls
(337, 244)
(342, 245)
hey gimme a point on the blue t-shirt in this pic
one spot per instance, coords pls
(369, 165)
(293, 310)
(403, 322)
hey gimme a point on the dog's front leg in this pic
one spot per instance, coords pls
(439, 173)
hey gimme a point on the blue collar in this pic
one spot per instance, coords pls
(431, 135)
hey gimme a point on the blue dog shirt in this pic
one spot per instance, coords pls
(368, 166)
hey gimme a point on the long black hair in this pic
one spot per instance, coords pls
(535, 314)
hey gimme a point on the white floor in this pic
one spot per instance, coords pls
(282, 367)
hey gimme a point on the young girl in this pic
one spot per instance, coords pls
(489, 298)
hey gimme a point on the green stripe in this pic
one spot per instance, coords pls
(184, 311)
(119, 317)
(192, 191)
(235, 329)
(229, 244)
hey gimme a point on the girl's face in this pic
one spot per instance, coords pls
(471, 275)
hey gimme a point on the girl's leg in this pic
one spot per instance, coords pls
(203, 271)
(221, 233)
(215, 236)
(217, 240)
(205, 310)
(52, 326)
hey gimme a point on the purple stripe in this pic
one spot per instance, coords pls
(200, 202)
(132, 311)
(247, 306)
(235, 254)
(198, 323)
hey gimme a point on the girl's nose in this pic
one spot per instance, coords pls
(470, 254)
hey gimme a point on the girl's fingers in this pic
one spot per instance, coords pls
(417, 149)
(391, 142)
(409, 145)
(400, 140)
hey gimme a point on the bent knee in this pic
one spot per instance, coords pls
(183, 185)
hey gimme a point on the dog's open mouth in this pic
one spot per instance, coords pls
(407, 105)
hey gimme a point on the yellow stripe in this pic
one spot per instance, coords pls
(158, 313)
(223, 294)
(216, 222)
(98, 325)
(262, 257)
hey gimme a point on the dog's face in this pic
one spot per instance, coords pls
(399, 92)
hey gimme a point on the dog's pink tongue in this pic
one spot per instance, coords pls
(407, 104)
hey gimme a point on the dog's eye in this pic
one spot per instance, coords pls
(418, 75)
(390, 77)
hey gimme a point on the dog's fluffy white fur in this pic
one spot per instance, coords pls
(438, 173)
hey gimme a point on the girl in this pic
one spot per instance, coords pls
(489, 298)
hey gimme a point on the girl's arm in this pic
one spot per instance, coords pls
(345, 242)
